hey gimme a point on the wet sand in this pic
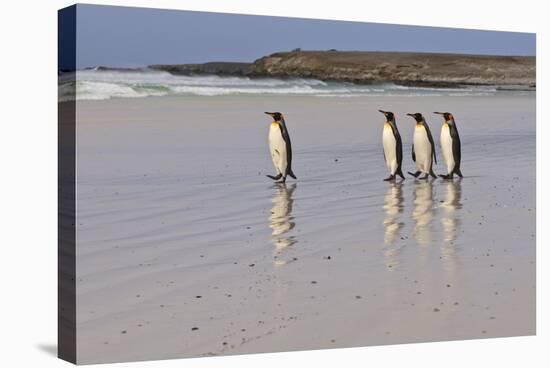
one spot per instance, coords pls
(186, 249)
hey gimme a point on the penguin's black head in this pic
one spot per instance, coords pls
(446, 115)
(388, 114)
(417, 116)
(277, 116)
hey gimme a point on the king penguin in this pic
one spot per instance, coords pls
(393, 148)
(280, 148)
(450, 145)
(423, 149)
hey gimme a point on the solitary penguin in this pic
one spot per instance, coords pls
(423, 149)
(393, 148)
(280, 148)
(450, 145)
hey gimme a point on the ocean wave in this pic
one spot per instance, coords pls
(106, 84)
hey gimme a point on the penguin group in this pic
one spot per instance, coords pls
(423, 147)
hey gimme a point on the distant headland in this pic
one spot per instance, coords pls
(368, 67)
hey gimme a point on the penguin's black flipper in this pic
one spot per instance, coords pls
(400, 173)
(431, 139)
(415, 174)
(274, 177)
(458, 172)
(291, 174)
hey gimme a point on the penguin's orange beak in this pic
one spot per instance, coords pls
(382, 111)
(268, 113)
(439, 113)
(410, 114)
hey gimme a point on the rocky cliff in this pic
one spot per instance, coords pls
(413, 69)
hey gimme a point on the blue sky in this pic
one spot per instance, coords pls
(125, 36)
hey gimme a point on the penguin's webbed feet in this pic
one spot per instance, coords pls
(282, 181)
(425, 177)
(390, 178)
(274, 177)
(414, 174)
(446, 177)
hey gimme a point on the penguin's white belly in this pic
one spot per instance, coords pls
(277, 147)
(390, 153)
(422, 150)
(447, 148)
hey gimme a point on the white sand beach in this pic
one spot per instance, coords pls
(186, 249)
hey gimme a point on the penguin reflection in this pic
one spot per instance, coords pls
(393, 206)
(281, 220)
(451, 204)
(423, 211)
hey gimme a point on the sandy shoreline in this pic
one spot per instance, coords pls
(187, 249)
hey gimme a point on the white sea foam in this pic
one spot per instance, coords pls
(106, 84)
